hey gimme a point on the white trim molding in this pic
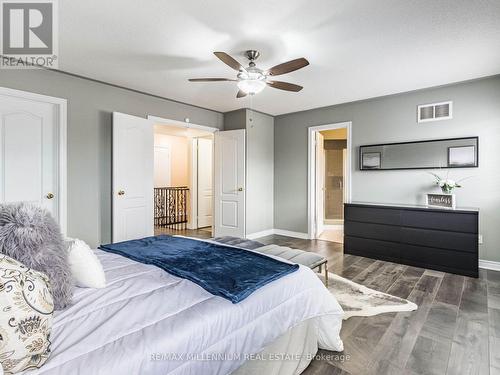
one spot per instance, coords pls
(264, 233)
(62, 119)
(489, 265)
(279, 232)
(288, 233)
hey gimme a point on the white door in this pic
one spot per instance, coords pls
(162, 167)
(229, 157)
(320, 183)
(133, 154)
(29, 167)
(205, 182)
(345, 181)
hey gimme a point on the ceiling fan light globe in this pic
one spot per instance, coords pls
(251, 86)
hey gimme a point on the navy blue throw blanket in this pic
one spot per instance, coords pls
(221, 270)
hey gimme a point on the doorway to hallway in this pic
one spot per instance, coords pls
(183, 179)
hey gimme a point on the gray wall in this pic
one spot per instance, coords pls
(260, 172)
(260, 166)
(476, 112)
(235, 119)
(90, 105)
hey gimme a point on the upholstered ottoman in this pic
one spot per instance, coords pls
(305, 258)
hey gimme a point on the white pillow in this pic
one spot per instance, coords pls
(85, 266)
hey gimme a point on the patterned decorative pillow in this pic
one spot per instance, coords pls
(26, 308)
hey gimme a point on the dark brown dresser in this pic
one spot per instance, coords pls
(439, 239)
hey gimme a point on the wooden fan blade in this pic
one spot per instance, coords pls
(288, 67)
(241, 94)
(284, 86)
(209, 79)
(228, 60)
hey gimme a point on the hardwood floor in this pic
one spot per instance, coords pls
(456, 329)
(204, 233)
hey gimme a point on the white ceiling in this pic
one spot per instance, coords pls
(357, 49)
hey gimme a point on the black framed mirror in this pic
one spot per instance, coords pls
(429, 154)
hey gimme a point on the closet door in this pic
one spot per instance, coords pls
(29, 161)
(230, 175)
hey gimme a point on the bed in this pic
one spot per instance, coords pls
(147, 321)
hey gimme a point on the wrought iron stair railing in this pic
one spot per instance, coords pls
(170, 208)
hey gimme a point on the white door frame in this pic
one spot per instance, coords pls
(311, 171)
(62, 124)
(193, 201)
(320, 184)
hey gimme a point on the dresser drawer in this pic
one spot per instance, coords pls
(444, 260)
(372, 231)
(372, 248)
(372, 215)
(447, 221)
(467, 242)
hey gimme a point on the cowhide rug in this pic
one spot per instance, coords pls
(358, 300)
(355, 299)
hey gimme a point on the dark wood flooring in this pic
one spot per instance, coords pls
(198, 233)
(456, 329)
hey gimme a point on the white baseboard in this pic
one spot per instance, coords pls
(280, 232)
(264, 233)
(489, 265)
(289, 233)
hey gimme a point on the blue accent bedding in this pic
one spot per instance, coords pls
(223, 271)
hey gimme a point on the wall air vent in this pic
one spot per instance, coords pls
(434, 111)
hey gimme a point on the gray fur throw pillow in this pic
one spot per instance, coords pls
(30, 235)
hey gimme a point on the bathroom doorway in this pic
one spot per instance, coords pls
(329, 180)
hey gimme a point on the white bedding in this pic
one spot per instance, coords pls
(147, 321)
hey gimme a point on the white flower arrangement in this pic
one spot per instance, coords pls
(447, 185)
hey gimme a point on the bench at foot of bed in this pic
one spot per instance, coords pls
(305, 258)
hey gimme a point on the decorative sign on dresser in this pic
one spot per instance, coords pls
(441, 200)
(442, 239)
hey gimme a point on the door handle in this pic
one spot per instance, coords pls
(240, 189)
(49, 196)
(121, 192)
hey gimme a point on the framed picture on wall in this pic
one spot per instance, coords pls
(371, 160)
(462, 156)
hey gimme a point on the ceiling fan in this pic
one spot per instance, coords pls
(252, 80)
